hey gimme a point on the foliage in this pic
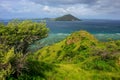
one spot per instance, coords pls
(79, 57)
(82, 57)
(22, 33)
(15, 37)
(18, 66)
(5, 66)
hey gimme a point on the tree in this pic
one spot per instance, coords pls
(20, 34)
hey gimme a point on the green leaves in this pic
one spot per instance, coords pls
(22, 32)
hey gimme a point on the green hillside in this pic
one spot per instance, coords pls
(82, 57)
(78, 57)
(67, 17)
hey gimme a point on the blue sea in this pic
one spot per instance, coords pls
(101, 29)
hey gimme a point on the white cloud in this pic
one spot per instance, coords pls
(79, 10)
(46, 8)
(5, 5)
(21, 6)
(59, 7)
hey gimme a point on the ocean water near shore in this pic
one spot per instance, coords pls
(103, 30)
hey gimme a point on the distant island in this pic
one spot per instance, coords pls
(67, 17)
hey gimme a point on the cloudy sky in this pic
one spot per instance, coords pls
(84, 9)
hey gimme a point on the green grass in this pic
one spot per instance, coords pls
(78, 57)
(82, 57)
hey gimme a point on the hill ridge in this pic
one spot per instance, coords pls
(67, 17)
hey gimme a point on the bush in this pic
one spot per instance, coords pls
(20, 34)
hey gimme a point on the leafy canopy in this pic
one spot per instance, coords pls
(22, 33)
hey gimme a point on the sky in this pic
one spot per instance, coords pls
(83, 9)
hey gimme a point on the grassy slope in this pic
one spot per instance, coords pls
(81, 57)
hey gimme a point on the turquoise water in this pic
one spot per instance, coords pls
(101, 29)
(92, 26)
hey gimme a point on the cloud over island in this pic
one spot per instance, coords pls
(109, 9)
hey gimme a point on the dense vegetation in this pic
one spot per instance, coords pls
(20, 34)
(78, 57)
(82, 57)
(67, 17)
(15, 38)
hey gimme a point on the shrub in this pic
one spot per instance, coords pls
(20, 34)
